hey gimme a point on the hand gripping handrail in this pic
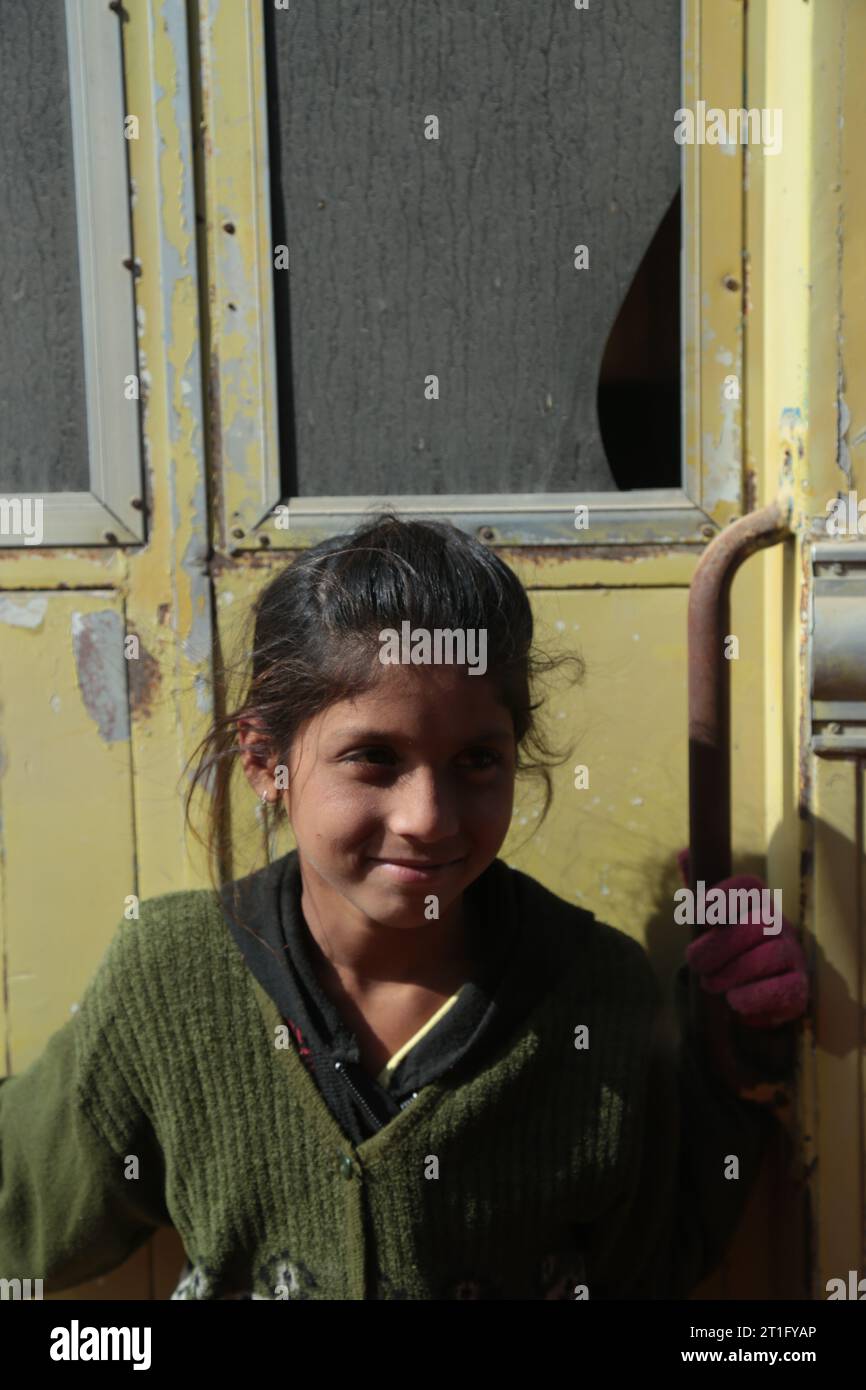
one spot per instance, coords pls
(745, 1056)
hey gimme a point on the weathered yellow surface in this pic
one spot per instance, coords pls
(68, 848)
(169, 596)
(805, 343)
(834, 1063)
(111, 815)
(712, 244)
(241, 358)
(775, 255)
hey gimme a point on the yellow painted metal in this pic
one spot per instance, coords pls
(610, 846)
(802, 218)
(242, 363)
(834, 1065)
(714, 44)
(169, 592)
(68, 860)
(806, 222)
(113, 834)
(777, 254)
(66, 799)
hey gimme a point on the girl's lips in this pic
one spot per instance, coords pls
(406, 872)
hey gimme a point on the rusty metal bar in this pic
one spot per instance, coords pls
(745, 1056)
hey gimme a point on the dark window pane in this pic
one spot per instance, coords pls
(43, 430)
(455, 257)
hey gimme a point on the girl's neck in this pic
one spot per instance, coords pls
(366, 956)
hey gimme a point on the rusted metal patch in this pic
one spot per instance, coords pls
(97, 644)
(241, 560)
(144, 677)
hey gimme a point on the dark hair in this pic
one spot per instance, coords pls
(316, 629)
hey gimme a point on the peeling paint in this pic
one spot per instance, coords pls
(628, 554)
(719, 453)
(203, 695)
(97, 644)
(179, 276)
(145, 678)
(26, 613)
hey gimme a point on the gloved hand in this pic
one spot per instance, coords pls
(763, 978)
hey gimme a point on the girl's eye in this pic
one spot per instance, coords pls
(478, 757)
(377, 756)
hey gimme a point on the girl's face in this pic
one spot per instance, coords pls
(403, 792)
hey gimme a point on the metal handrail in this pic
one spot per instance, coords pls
(745, 1056)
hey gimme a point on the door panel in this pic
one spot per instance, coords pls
(67, 856)
(95, 736)
(772, 293)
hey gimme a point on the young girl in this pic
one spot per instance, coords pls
(387, 1065)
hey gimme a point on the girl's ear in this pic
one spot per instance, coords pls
(257, 767)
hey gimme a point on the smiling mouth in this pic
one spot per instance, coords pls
(416, 869)
(417, 863)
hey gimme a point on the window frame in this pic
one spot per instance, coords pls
(252, 513)
(106, 514)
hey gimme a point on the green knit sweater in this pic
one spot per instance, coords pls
(548, 1170)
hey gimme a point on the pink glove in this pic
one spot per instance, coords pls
(763, 978)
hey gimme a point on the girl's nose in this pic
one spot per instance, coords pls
(425, 807)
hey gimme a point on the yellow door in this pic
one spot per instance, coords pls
(144, 568)
(105, 598)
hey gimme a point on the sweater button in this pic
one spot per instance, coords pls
(346, 1165)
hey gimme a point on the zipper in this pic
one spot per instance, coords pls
(357, 1094)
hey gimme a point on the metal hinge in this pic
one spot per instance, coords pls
(837, 648)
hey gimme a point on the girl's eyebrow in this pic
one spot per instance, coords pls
(499, 735)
